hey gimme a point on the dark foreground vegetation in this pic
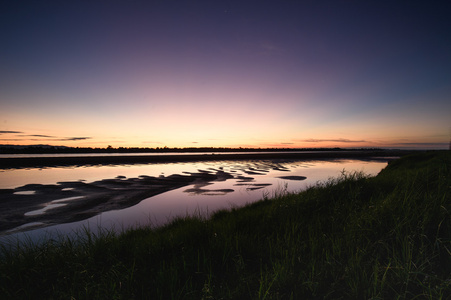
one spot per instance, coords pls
(354, 237)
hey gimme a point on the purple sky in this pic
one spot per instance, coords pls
(226, 73)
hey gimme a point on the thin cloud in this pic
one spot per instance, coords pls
(9, 131)
(77, 138)
(11, 140)
(57, 139)
(41, 135)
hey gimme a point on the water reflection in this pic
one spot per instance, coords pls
(123, 196)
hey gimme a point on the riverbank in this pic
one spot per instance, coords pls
(351, 237)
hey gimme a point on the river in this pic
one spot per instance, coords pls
(49, 197)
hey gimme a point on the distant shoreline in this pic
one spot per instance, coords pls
(48, 161)
(48, 149)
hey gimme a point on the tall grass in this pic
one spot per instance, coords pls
(352, 237)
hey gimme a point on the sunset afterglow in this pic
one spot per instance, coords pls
(225, 74)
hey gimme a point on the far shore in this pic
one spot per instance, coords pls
(49, 161)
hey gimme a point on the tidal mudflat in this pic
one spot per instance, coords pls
(47, 204)
(137, 193)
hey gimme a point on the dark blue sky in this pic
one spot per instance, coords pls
(226, 73)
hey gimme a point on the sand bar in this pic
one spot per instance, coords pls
(72, 201)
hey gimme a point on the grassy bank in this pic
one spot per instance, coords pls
(352, 237)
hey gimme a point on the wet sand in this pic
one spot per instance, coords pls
(65, 202)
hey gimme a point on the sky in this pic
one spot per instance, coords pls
(288, 74)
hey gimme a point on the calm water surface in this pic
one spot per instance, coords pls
(263, 178)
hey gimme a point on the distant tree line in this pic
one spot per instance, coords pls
(45, 149)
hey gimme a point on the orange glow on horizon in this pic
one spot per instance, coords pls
(277, 76)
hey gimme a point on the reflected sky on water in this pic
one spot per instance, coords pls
(250, 181)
